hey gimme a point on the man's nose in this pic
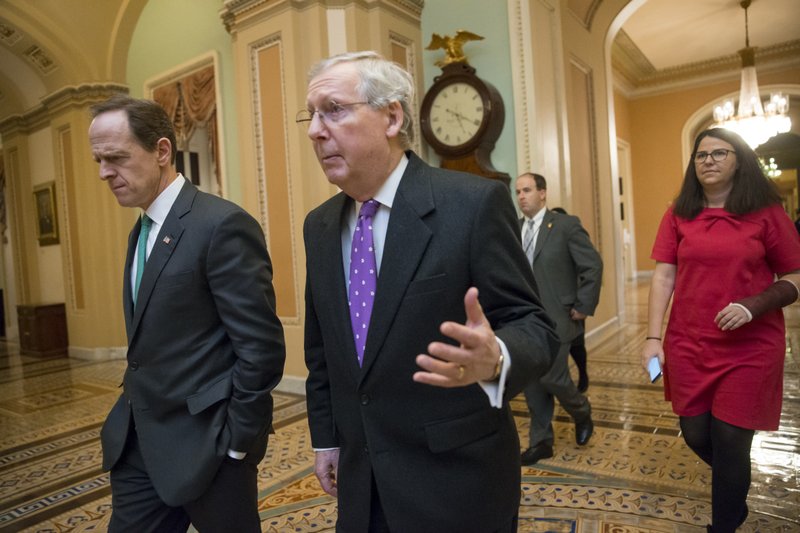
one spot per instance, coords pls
(316, 128)
(106, 171)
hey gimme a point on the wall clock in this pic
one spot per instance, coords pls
(461, 118)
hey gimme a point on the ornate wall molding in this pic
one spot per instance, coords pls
(57, 102)
(584, 13)
(255, 49)
(238, 13)
(522, 78)
(640, 77)
(9, 35)
(592, 141)
(411, 65)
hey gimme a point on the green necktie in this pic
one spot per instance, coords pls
(141, 258)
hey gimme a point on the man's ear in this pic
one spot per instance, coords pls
(164, 151)
(395, 113)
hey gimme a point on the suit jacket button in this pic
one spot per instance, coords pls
(133, 365)
(365, 399)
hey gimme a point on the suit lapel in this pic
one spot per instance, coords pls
(544, 233)
(127, 290)
(328, 242)
(166, 242)
(407, 238)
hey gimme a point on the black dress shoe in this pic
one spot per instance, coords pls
(583, 431)
(583, 382)
(532, 455)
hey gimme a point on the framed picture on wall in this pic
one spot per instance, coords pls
(44, 196)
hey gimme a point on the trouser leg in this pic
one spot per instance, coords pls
(231, 501)
(539, 397)
(135, 505)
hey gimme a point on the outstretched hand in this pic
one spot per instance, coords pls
(473, 360)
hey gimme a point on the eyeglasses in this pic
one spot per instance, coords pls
(718, 155)
(330, 113)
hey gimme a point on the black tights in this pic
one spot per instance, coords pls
(726, 449)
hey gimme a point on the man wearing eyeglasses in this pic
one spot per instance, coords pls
(421, 319)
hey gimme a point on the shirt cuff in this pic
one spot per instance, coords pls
(233, 454)
(494, 389)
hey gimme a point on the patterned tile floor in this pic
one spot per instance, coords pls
(635, 475)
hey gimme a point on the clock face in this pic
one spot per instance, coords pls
(456, 114)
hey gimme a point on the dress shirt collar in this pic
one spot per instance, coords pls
(385, 195)
(537, 218)
(160, 207)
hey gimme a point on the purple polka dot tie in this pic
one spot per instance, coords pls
(363, 276)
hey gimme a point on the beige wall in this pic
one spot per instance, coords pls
(622, 117)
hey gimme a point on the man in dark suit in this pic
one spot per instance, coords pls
(205, 347)
(568, 271)
(411, 425)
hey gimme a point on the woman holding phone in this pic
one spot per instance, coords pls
(729, 258)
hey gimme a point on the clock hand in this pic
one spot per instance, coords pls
(458, 116)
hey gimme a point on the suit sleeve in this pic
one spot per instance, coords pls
(504, 279)
(588, 267)
(318, 388)
(239, 274)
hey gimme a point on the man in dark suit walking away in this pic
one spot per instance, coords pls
(421, 319)
(205, 347)
(568, 272)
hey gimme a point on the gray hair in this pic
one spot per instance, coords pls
(381, 83)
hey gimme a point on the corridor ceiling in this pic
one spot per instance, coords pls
(46, 45)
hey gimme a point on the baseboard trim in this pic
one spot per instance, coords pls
(601, 333)
(292, 385)
(102, 353)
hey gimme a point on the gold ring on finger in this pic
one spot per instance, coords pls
(460, 372)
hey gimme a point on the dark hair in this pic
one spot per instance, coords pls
(750, 192)
(147, 120)
(541, 183)
(559, 210)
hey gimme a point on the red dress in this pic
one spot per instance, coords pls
(736, 375)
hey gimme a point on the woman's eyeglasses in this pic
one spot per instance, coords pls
(717, 155)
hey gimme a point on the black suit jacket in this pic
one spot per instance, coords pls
(442, 459)
(205, 347)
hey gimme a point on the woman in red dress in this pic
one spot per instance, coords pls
(729, 258)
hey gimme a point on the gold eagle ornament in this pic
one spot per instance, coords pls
(453, 46)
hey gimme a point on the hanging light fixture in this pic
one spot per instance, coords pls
(754, 122)
(770, 169)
